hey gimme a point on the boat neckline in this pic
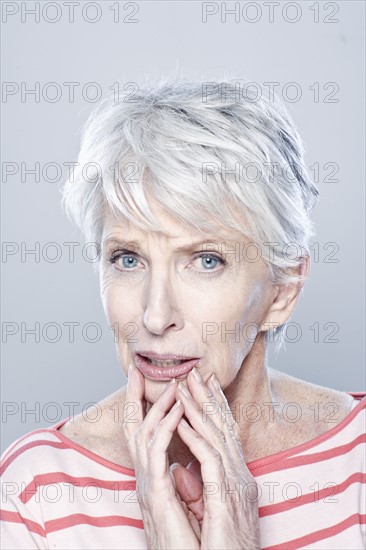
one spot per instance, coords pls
(357, 406)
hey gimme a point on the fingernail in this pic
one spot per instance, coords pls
(196, 374)
(173, 381)
(130, 368)
(175, 406)
(215, 382)
(184, 423)
(183, 389)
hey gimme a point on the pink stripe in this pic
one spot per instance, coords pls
(260, 462)
(355, 519)
(93, 456)
(254, 464)
(14, 517)
(290, 504)
(308, 459)
(60, 477)
(83, 519)
(20, 451)
(20, 439)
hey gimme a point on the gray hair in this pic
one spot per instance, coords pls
(199, 148)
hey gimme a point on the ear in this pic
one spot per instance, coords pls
(286, 296)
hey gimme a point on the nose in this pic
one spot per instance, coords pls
(161, 310)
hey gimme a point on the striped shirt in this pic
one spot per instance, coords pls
(57, 494)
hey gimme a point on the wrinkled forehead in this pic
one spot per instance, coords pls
(116, 225)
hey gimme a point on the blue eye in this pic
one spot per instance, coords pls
(128, 258)
(211, 257)
(120, 254)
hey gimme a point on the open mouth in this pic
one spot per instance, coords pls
(164, 370)
(165, 363)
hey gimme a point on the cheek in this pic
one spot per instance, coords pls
(244, 303)
(244, 317)
(115, 303)
(120, 310)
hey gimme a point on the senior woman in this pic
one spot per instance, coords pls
(197, 196)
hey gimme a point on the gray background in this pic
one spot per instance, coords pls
(167, 36)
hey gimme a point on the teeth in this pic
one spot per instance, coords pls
(164, 363)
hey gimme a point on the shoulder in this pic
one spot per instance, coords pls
(27, 453)
(105, 436)
(317, 408)
(310, 396)
(47, 450)
(306, 414)
(26, 465)
(23, 464)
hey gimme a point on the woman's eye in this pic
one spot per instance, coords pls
(210, 261)
(127, 261)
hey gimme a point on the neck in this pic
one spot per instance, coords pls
(246, 395)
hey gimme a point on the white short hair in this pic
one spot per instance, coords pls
(203, 150)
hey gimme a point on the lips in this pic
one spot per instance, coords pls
(165, 373)
(164, 356)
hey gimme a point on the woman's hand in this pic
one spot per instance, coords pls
(168, 522)
(230, 505)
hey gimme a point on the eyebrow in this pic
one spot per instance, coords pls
(182, 248)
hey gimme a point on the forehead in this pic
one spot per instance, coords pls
(172, 229)
(173, 232)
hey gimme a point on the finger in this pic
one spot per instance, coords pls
(133, 413)
(139, 431)
(212, 468)
(195, 524)
(212, 398)
(216, 408)
(204, 425)
(219, 484)
(192, 520)
(227, 414)
(231, 428)
(195, 468)
(216, 477)
(189, 488)
(158, 410)
(156, 448)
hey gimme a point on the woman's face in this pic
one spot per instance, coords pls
(169, 293)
